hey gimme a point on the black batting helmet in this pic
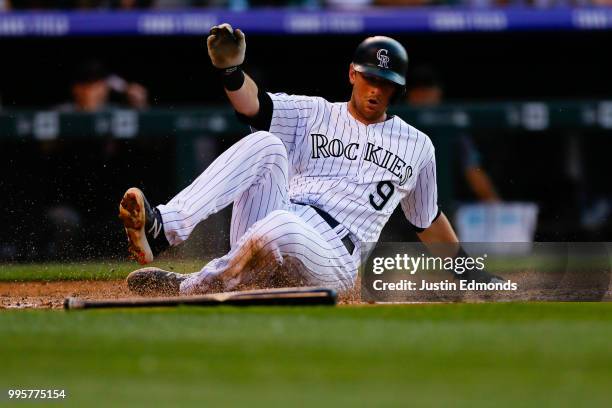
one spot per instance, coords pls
(383, 57)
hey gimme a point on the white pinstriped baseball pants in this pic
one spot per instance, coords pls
(269, 235)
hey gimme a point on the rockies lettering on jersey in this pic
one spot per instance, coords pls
(321, 146)
(357, 173)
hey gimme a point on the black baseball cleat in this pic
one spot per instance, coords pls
(155, 282)
(143, 225)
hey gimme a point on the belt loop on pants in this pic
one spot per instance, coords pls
(348, 243)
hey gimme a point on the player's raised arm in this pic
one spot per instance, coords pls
(226, 48)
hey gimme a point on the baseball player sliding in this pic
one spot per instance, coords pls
(308, 189)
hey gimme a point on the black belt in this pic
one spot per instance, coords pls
(348, 243)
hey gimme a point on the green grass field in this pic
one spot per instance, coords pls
(85, 270)
(504, 354)
(435, 355)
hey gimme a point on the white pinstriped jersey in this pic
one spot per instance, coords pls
(357, 173)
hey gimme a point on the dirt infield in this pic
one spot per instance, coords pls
(51, 295)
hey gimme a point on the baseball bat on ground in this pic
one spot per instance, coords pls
(308, 296)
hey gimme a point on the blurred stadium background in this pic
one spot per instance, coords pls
(97, 96)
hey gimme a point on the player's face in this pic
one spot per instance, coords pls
(371, 96)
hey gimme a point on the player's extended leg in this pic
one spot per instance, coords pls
(255, 167)
(284, 248)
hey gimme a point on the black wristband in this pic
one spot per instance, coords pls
(232, 77)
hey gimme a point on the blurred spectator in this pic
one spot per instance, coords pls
(91, 90)
(92, 86)
(425, 90)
